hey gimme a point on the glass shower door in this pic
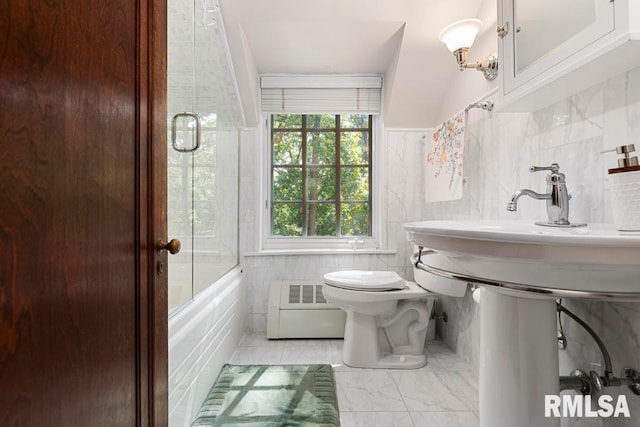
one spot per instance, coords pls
(202, 155)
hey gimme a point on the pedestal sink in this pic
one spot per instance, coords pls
(524, 267)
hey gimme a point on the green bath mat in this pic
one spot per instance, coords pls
(271, 395)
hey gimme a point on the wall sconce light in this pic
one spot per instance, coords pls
(459, 37)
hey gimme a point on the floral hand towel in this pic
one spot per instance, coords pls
(443, 166)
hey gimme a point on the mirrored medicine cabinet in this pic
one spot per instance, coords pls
(550, 50)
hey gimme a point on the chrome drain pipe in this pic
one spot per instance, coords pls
(608, 368)
(578, 380)
(593, 383)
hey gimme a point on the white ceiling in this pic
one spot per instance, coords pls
(397, 38)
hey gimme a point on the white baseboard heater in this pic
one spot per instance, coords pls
(297, 309)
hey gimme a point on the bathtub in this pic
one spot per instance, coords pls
(202, 337)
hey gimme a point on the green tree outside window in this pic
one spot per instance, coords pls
(321, 175)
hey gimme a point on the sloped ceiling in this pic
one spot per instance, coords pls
(397, 38)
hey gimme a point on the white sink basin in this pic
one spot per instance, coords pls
(596, 261)
(523, 267)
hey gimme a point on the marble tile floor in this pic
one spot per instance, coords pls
(443, 393)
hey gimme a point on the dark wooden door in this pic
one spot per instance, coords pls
(83, 332)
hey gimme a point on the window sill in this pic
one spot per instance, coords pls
(287, 252)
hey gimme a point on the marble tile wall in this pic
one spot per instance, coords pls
(199, 69)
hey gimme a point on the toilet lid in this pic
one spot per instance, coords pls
(361, 280)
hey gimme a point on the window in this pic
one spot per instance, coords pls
(321, 176)
(319, 186)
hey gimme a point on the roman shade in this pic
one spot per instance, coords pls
(318, 94)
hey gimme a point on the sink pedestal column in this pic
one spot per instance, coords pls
(518, 360)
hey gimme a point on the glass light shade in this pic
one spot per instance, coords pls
(460, 34)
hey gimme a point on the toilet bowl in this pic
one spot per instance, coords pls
(387, 317)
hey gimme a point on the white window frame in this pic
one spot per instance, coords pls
(377, 240)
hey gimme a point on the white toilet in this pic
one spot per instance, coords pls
(387, 317)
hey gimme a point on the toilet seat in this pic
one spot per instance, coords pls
(371, 281)
(411, 291)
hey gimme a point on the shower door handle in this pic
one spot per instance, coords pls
(173, 246)
(174, 133)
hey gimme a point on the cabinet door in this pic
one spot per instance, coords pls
(543, 35)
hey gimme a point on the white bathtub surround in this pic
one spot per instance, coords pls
(202, 337)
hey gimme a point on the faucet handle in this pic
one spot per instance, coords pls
(553, 168)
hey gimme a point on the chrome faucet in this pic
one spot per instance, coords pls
(556, 196)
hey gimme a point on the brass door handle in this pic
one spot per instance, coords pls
(173, 246)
